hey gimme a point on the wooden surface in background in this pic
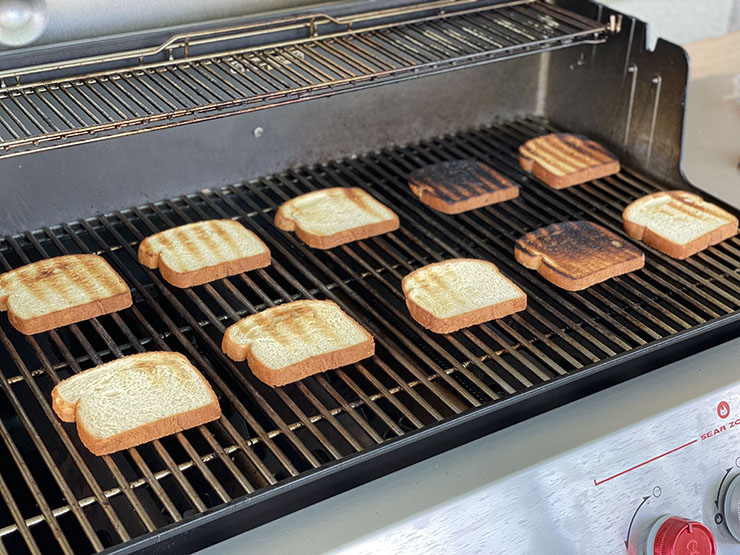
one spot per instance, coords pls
(714, 56)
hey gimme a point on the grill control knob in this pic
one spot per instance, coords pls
(732, 507)
(673, 535)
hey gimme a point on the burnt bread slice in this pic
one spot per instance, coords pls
(577, 255)
(59, 291)
(562, 159)
(678, 223)
(460, 185)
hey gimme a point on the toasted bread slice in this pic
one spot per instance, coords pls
(289, 342)
(195, 254)
(577, 255)
(678, 223)
(460, 185)
(453, 294)
(135, 399)
(330, 217)
(562, 159)
(60, 291)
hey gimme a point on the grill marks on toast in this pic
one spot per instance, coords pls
(47, 279)
(292, 321)
(359, 198)
(567, 153)
(197, 253)
(577, 255)
(460, 185)
(289, 342)
(453, 294)
(452, 181)
(432, 279)
(562, 159)
(331, 217)
(59, 291)
(678, 223)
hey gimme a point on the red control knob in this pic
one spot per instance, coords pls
(679, 536)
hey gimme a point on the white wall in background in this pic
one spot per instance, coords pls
(683, 21)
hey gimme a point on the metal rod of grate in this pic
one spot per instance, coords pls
(56, 496)
(160, 94)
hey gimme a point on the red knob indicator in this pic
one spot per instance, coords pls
(680, 536)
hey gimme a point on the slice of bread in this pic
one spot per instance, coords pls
(577, 255)
(289, 342)
(460, 185)
(453, 294)
(330, 217)
(135, 399)
(195, 254)
(60, 291)
(678, 223)
(562, 159)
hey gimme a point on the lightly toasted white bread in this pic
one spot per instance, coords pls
(453, 294)
(60, 291)
(135, 399)
(289, 342)
(577, 255)
(562, 160)
(678, 223)
(331, 217)
(201, 252)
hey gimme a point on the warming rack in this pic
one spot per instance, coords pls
(210, 74)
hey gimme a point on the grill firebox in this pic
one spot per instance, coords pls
(59, 497)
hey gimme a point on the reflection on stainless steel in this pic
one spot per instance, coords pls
(22, 21)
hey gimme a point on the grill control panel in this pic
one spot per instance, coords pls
(685, 462)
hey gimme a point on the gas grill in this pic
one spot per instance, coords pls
(265, 108)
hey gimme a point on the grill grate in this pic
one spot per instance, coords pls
(360, 50)
(58, 497)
